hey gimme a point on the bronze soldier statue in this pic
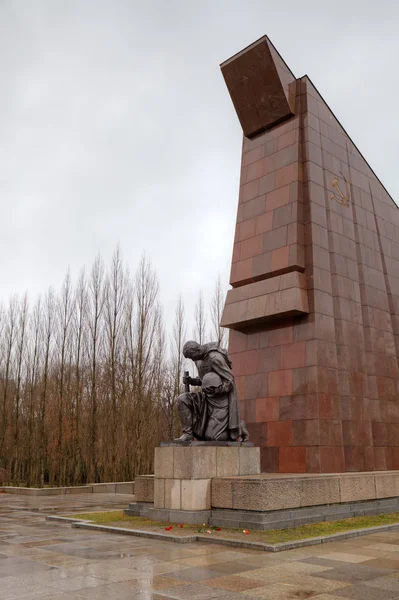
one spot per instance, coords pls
(213, 412)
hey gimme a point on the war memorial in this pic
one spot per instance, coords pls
(313, 315)
(298, 421)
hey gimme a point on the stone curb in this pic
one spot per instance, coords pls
(136, 532)
(237, 543)
(79, 524)
(72, 519)
(64, 519)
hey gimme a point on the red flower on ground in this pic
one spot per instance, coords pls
(181, 526)
(245, 531)
(218, 529)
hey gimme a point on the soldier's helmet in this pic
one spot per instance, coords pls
(210, 382)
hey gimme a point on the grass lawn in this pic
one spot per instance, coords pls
(119, 519)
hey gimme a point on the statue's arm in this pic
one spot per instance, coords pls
(192, 381)
(225, 388)
(220, 367)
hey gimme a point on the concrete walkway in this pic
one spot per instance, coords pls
(39, 559)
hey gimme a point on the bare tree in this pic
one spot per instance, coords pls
(199, 332)
(80, 337)
(48, 333)
(19, 359)
(65, 312)
(96, 304)
(173, 384)
(218, 334)
(114, 303)
(35, 326)
(8, 382)
(146, 326)
(178, 339)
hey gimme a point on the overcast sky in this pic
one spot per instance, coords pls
(116, 125)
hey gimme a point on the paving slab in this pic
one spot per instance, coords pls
(51, 560)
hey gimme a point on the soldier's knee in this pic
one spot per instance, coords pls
(182, 401)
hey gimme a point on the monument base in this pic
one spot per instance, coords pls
(296, 517)
(267, 520)
(271, 500)
(183, 473)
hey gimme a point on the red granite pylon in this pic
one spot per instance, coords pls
(314, 309)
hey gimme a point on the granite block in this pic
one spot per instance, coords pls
(172, 494)
(320, 491)
(159, 493)
(357, 487)
(80, 489)
(44, 491)
(195, 494)
(182, 462)
(190, 517)
(144, 488)
(104, 488)
(227, 461)
(124, 487)
(249, 461)
(163, 462)
(387, 486)
(266, 495)
(194, 462)
(222, 493)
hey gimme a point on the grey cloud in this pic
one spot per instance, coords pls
(115, 125)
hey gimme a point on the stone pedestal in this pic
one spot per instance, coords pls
(183, 473)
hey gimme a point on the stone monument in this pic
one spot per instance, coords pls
(314, 329)
(214, 442)
(314, 309)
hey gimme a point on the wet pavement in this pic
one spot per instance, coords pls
(46, 560)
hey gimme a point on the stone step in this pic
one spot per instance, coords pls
(283, 515)
(267, 520)
(132, 513)
(235, 524)
(138, 509)
(311, 511)
(284, 519)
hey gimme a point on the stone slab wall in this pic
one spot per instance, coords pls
(120, 487)
(144, 488)
(263, 493)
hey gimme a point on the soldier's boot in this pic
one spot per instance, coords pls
(185, 437)
(244, 431)
(186, 420)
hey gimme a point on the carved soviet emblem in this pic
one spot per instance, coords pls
(338, 195)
